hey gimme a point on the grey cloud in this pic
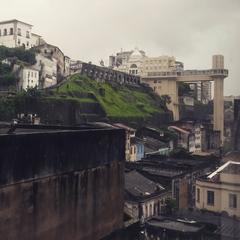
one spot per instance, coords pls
(90, 30)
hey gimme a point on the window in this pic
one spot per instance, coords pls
(5, 32)
(19, 32)
(146, 211)
(27, 34)
(151, 208)
(11, 31)
(0, 32)
(198, 195)
(19, 42)
(232, 200)
(210, 197)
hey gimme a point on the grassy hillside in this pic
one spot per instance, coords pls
(116, 100)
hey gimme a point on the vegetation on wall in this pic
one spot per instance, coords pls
(91, 97)
(7, 78)
(117, 100)
(7, 108)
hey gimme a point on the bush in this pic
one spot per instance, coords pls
(27, 56)
(7, 109)
(8, 80)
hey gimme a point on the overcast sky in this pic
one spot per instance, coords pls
(90, 30)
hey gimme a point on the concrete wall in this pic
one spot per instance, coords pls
(221, 196)
(61, 185)
(107, 74)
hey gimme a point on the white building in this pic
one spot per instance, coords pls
(137, 63)
(48, 70)
(121, 58)
(67, 66)
(14, 33)
(28, 78)
(75, 66)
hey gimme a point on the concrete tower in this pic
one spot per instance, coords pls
(218, 109)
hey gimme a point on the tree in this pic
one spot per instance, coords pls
(7, 78)
(21, 54)
(166, 99)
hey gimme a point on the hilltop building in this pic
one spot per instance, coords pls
(14, 33)
(28, 78)
(52, 64)
(48, 69)
(53, 52)
(121, 58)
(137, 63)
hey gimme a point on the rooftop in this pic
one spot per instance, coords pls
(120, 125)
(229, 167)
(175, 225)
(153, 144)
(179, 129)
(225, 226)
(18, 129)
(139, 186)
(162, 172)
(232, 156)
(13, 21)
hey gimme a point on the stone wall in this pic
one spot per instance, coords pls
(107, 74)
(61, 184)
(62, 111)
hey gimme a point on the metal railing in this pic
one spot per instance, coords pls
(210, 72)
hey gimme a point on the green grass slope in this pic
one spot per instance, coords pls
(116, 100)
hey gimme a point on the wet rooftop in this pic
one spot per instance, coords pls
(175, 225)
(8, 129)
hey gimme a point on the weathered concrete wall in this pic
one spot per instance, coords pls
(61, 111)
(61, 185)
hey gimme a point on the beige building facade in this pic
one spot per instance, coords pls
(163, 74)
(14, 33)
(166, 83)
(220, 191)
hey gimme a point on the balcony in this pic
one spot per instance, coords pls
(210, 72)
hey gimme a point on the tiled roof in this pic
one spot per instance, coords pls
(139, 186)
